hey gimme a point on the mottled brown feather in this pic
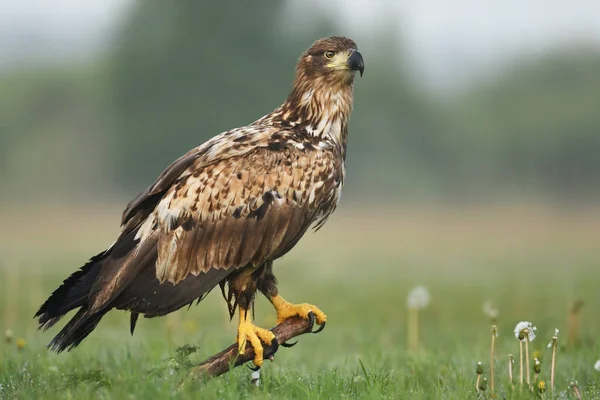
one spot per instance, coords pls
(244, 213)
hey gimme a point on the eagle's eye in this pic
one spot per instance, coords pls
(329, 54)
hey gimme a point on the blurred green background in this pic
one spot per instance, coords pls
(99, 118)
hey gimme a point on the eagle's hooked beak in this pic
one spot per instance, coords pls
(355, 62)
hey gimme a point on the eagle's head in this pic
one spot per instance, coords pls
(331, 60)
(320, 102)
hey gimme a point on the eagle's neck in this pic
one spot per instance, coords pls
(321, 109)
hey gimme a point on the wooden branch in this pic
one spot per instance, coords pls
(228, 359)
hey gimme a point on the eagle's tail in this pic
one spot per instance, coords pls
(73, 293)
(76, 330)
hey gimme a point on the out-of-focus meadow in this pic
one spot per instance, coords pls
(482, 184)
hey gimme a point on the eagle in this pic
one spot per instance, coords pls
(224, 211)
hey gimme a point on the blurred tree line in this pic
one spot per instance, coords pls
(181, 72)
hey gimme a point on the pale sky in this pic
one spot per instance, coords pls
(444, 36)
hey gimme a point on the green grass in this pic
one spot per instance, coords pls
(359, 273)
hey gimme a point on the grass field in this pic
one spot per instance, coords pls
(533, 263)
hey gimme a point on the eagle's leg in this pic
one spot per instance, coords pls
(243, 286)
(267, 284)
(248, 332)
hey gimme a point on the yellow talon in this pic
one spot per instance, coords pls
(248, 332)
(287, 310)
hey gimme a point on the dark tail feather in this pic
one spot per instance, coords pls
(76, 330)
(133, 321)
(71, 294)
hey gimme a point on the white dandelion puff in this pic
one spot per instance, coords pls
(597, 366)
(418, 297)
(490, 310)
(520, 330)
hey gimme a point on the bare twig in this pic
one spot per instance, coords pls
(228, 359)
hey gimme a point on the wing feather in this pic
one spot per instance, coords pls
(245, 210)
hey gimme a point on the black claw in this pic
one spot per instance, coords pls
(311, 319)
(275, 344)
(253, 368)
(321, 327)
(288, 345)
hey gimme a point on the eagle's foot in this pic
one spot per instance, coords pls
(248, 332)
(306, 311)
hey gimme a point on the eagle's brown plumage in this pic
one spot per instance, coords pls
(225, 210)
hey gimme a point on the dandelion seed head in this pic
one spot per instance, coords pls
(597, 366)
(490, 310)
(522, 327)
(479, 368)
(554, 338)
(483, 384)
(8, 333)
(418, 297)
(8, 336)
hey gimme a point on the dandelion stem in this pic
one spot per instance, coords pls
(573, 334)
(413, 329)
(527, 357)
(576, 389)
(554, 340)
(510, 368)
(521, 362)
(477, 383)
(494, 332)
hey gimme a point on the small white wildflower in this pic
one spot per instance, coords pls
(597, 366)
(520, 328)
(418, 297)
(490, 310)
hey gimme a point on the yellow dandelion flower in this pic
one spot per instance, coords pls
(190, 326)
(542, 386)
(20, 343)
